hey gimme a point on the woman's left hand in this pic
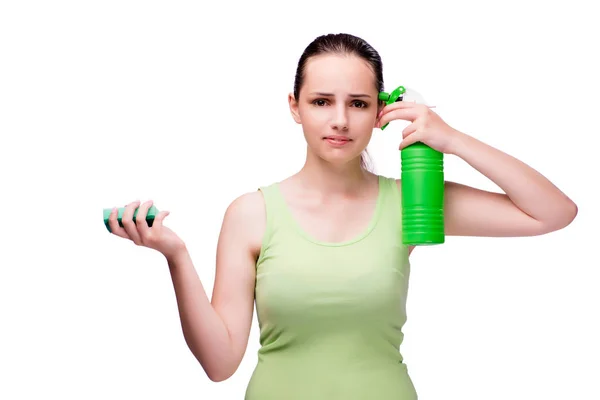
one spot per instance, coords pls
(427, 127)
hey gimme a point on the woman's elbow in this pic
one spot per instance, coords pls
(569, 213)
(562, 218)
(219, 372)
(217, 376)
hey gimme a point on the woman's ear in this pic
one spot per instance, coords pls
(380, 106)
(294, 108)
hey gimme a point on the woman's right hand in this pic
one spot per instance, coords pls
(157, 237)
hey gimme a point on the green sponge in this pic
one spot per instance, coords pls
(152, 212)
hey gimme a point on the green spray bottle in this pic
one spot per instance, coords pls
(422, 174)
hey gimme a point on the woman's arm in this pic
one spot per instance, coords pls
(217, 331)
(530, 205)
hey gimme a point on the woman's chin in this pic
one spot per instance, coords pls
(340, 157)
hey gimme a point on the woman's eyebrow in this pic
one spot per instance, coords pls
(331, 94)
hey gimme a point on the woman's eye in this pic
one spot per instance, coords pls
(358, 103)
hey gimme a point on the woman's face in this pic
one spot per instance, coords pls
(337, 107)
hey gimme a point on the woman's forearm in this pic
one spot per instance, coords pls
(529, 190)
(204, 330)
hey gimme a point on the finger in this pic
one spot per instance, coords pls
(405, 105)
(412, 128)
(158, 220)
(408, 140)
(157, 225)
(140, 218)
(128, 223)
(115, 228)
(403, 114)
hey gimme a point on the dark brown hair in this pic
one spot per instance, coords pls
(341, 43)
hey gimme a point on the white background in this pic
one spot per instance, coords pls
(103, 103)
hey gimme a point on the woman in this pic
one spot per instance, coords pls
(321, 251)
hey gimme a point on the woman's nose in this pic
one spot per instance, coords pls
(339, 119)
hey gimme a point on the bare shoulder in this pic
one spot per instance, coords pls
(247, 205)
(246, 214)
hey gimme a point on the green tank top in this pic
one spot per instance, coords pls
(331, 314)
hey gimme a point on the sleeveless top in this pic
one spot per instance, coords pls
(331, 314)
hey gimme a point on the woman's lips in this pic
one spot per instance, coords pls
(337, 140)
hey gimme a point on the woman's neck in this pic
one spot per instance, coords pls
(331, 180)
